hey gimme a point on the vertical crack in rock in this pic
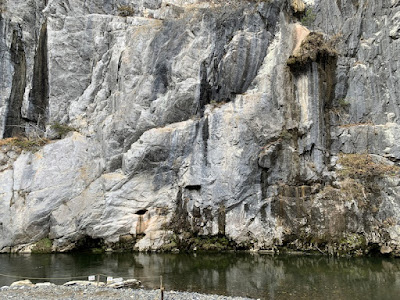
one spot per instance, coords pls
(221, 219)
(205, 90)
(14, 117)
(327, 82)
(39, 95)
(180, 220)
(205, 136)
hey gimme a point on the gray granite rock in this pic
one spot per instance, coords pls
(200, 118)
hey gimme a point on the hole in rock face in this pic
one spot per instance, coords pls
(374, 250)
(141, 212)
(193, 187)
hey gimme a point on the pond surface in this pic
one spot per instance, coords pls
(235, 274)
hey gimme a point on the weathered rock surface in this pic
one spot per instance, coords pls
(201, 118)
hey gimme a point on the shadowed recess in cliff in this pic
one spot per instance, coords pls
(88, 243)
(14, 117)
(38, 97)
(313, 70)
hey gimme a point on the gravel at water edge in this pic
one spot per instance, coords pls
(101, 293)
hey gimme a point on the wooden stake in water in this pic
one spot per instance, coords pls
(161, 288)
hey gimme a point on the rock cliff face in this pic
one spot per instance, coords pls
(266, 123)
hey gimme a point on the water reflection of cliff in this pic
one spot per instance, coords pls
(257, 276)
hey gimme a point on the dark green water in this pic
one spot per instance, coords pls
(257, 276)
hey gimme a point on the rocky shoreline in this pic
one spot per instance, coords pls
(25, 290)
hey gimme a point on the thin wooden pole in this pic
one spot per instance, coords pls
(161, 288)
(98, 279)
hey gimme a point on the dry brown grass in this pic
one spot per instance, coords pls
(313, 48)
(22, 143)
(362, 166)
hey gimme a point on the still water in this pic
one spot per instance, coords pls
(236, 274)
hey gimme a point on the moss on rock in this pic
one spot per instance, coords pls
(43, 246)
(190, 242)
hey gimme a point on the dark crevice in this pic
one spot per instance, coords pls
(205, 136)
(13, 126)
(195, 187)
(87, 243)
(38, 97)
(180, 222)
(205, 90)
(141, 212)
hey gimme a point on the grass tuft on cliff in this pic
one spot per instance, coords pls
(61, 129)
(313, 48)
(362, 166)
(23, 143)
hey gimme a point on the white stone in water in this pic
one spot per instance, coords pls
(83, 283)
(44, 284)
(386, 249)
(22, 283)
(129, 283)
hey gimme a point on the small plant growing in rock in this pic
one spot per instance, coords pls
(61, 129)
(217, 104)
(285, 135)
(43, 246)
(308, 18)
(343, 103)
(125, 11)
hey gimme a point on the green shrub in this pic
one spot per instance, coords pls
(343, 103)
(43, 246)
(169, 247)
(285, 135)
(61, 129)
(97, 250)
(308, 18)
